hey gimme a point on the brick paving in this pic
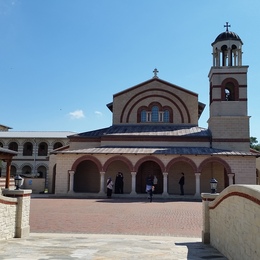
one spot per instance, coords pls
(116, 216)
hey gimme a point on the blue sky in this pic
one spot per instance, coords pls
(61, 61)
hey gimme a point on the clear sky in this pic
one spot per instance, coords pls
(61, 61)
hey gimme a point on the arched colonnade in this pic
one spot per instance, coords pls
(88, 174)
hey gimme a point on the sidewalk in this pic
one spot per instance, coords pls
(118, 229)
(96, 247)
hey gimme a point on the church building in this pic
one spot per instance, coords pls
(155, 131)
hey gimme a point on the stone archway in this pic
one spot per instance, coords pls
(174, 168)
(146, 168)
(87, 177)
(119, 164)
(217, 168)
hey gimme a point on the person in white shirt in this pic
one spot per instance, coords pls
(109, 187)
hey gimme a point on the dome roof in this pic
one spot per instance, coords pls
(227, 35)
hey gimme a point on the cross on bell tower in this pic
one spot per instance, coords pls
(227, 25)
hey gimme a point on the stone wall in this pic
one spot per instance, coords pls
(8, 208)
(231, 222)
(14, 213)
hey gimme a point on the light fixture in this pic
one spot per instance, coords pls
(213, 185)
(18, 181)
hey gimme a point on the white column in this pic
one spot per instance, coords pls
(102, 183)
(133, 192)
(197, 176)
(230, 178)
(218, 58)
(214, 58)
(165, 184)
(230, 57)
(239, 57)
(71, 173)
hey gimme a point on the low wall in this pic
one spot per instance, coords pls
(34, 184)
(14, 213)
(231, 222)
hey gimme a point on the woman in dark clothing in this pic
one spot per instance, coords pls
(181, 183)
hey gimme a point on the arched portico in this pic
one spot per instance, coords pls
(87, 158)
(146, 166)
(119, 164)
(214, 167)
(175, 168)
(85, 175)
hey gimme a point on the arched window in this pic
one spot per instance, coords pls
(42, 149)
(166, 116)
(26, 170)
(143, 116)
(1, 144)
(57, 145)
(41, 172)
(13, 146)
(155, 114)
(27, 149)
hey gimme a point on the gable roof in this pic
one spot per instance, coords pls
(159, 80)
(201, 105)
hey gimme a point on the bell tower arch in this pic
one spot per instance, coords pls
(228, 121)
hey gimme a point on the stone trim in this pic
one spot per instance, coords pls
(236, 193)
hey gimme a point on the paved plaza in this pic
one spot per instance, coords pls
(77, 228)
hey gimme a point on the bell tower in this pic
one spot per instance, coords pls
(228, 121)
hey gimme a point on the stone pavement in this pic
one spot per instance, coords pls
(71, 228)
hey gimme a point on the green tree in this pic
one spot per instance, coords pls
(254, 143)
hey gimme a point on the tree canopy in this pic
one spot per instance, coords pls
(254, 143)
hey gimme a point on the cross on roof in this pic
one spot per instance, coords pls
(155, 71)
(227, 25)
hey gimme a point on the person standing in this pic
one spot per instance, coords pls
(181, 183)
(121, 183)
(117, 183)
(109, 187)
(149, 187)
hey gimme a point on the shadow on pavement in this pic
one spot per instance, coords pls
(198, 250)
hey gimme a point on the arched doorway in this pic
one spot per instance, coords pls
(87, 177)
(146, 168)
